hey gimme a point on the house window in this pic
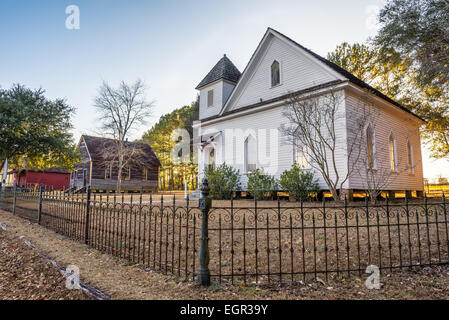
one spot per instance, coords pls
(127, 173)
(275, 74)
(145, 174)
(250, 154)
(108, 172)
(393, 154)
(212, 159)
(210, 98)
(301, 157)
(371, 161)
(410, 166)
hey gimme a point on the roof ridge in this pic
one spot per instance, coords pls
(351, 77)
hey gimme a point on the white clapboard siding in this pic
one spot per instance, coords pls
(222, 90)
(388, 120)
(298, 71)
(231, 150)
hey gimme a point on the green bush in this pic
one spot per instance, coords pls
(222, 181)
(261, 185)
(300, 183)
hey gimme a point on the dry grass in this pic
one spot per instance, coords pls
(436, 191)
(25, 275)
(123, 281)
(256, 245)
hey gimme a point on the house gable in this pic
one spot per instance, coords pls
(298, 70)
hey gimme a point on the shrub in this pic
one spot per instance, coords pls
(299, 182)
(261, 185)
(222, 181)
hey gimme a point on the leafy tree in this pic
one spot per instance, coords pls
(301, 183)
(389, 73)
(260, 184)
(172, 174)
(437, 131)
(418, 30)
(35, 130)
(364, 61)
(359, 59)
(222, 180)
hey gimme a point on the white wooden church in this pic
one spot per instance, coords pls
(241, 114)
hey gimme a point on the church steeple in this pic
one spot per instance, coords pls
(216, 87)
(224, 69)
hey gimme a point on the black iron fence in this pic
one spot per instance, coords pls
(248, 241)
(291, 242)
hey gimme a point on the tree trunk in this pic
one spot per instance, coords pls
(119, 180)
(335, 194)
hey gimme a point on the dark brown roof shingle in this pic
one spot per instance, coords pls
(224, 69)
(96, 146)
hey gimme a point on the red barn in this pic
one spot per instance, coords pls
(53, 178)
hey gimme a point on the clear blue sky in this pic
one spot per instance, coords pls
(171, 45)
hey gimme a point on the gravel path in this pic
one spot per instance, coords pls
(123, 281)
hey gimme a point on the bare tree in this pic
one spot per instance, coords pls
(314, 124)
(375, 181)
(121, 110)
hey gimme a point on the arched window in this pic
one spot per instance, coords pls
(301, 157)
(410, 166)
(275, 74)
(212, 158)
(393, 154)
(371, 161)
(250, 154)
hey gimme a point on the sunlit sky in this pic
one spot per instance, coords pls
(171, 45)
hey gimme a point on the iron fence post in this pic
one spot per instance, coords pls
(14, 200)
(39, 206)
(86, 229)
(204, 205)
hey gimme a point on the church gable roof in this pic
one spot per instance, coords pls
(224, 69)
(341, 73)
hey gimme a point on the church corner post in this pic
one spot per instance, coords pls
(203, 276)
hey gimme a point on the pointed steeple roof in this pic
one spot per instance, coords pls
(224, 69)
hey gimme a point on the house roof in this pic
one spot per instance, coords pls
(224, 69)
(351, 78)
(97, 145)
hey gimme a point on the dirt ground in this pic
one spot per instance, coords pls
(120, 280)
(25, 275)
